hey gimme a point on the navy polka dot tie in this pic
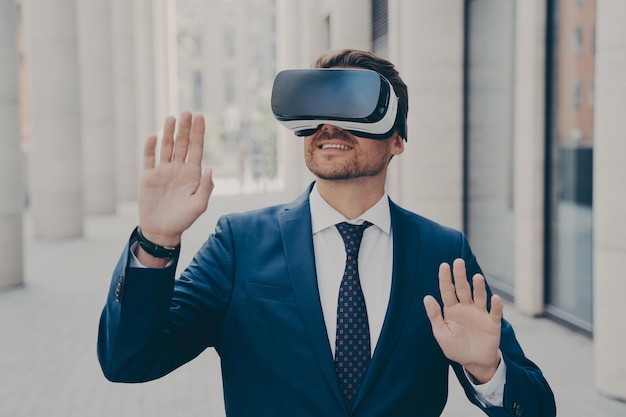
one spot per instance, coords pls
(352, 340)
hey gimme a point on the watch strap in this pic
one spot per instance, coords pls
(155, 250)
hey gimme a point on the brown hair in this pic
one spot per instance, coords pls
(344, 58)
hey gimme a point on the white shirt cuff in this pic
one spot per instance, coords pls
(491, 393)
(134, 262)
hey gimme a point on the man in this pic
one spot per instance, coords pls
(303, 328)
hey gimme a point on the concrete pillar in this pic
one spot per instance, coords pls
(609, 200)
(290, 149)
(147, 123)
(54, 101)
(529, 155)
(96, 95)
(166, 59)
(350, 24)
(12, 201)
(426, 44)
(127, 140)
(313, 31)
(394, 172)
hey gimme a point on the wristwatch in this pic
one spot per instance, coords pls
(153, 249)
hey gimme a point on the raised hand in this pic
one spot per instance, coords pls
(174, 192)
(466, 332)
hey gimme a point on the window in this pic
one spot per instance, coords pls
(228, 32)
(229, 86)
(379, 27)
(189, 36)
(197, 92)
(489, 102)
(576, 93)
(569, 206)
(577, 41)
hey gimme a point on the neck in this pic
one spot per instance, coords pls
(352, 197)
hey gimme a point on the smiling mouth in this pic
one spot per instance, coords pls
(335, 146)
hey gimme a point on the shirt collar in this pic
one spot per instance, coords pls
(324, 216)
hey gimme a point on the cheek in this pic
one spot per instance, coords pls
(378, 151)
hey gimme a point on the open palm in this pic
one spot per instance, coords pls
(174, 192)
(466, 331)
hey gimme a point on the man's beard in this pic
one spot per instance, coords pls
(358, 165)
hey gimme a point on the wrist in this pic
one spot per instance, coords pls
(169, 241)
(482, 374)
(157, 250)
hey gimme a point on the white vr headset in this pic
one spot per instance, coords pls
(360, 101)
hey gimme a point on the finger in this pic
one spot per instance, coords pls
(197, 140)
(181, 145)
(448, 295)
(433, 311)
(167, 143)
(497, 308)
(461, 284)
(480, 292)
(205, 189)
(149, 158)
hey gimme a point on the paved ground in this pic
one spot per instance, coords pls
(48, 364)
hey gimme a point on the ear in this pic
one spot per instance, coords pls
(397, 144)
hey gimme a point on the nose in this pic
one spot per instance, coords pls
(330, 128)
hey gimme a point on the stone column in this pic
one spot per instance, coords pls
(609, 200)
(147, 123)
(529, 155)
(54, 106)
(96, 93)
(288, 56)
(12, 200)
(350, 24)
(394, 172)
(127, 139)
(313, 32)
(166, 59)
(426, 45)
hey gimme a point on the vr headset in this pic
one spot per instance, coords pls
(360, 101)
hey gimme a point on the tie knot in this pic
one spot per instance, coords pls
(352, 235)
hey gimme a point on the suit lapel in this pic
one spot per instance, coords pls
(405, 250)
(295, 227)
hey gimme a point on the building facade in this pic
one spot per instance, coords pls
(226, 65)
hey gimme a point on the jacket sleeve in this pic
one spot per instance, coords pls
(153, 323)
(526, 392)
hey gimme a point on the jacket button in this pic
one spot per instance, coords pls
(519, 410)
(118, 288)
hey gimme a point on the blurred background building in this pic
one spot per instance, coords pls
(227, 63)
(516, 125)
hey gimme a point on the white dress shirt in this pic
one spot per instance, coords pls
(375, 262)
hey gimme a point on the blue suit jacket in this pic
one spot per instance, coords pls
(251, 292)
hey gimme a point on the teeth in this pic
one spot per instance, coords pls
(335, 146)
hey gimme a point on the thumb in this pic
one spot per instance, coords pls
(433, 311)
(206, 185)
(496, 308)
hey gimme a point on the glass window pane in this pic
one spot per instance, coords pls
(490, 138)
(571, 118)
